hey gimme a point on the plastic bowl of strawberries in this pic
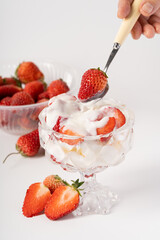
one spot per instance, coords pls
(25, 89)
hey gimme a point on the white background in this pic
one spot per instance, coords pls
(81, 34)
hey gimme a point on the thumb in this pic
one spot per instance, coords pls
(149, 7)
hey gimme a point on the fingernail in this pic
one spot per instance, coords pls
(147, 7)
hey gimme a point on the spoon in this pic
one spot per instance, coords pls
(124, 30)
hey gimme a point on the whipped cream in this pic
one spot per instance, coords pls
(83, 119)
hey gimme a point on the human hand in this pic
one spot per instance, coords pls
(149, 21)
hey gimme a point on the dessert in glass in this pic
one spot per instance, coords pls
(88, 138)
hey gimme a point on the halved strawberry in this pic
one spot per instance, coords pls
(70, 133)
(94, 82)
(117, 114)
(64, 200)
(35, 200)
(53, 182)
(109, 126)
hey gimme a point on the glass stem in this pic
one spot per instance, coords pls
(89, 181)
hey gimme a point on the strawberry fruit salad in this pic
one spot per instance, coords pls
(85, 136)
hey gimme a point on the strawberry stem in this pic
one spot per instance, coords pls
(10, 155)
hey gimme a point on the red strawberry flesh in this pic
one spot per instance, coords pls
(63, 201)
(35, 200)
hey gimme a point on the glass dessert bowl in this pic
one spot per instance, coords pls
(87, 154)
(23, 119)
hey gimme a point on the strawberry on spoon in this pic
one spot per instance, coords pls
(94, 84)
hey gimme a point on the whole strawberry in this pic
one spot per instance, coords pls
(21, 98)
(6, 101)
(28, 72)
(43, 95)
(57, 87)
(9, 81)
(8, 90)
(53, 182)
(93, 84)
(27, 145)
(34, 89)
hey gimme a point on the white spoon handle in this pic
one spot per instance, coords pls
(128, 22)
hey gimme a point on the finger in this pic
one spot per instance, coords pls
(147, 29)
(155, 22)
(124, 7)
(157, 27)
(149, 7)
(136, 31)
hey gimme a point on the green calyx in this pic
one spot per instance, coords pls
(16, 72)
(20, 151)
(75, 185)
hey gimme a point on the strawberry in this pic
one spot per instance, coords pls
(8, 90)
(9, 81)
(63, 201)
(70, 133)
(21, 98)
(27, 123)
(42, 100)
(118, 115)
(6, 101)
(34, 89)
(94, 82)
(28, 72)
(56, 128)
(108, 127)
(43, 95)
(27, 145)
(35, 200)
(57, 87)
(53, 182)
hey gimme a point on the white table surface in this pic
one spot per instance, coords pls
(136, 180)
(80, 34)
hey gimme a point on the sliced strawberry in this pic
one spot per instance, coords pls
(70, 133)
(118, 115)
(35, 200)
(64, 200)
(108, 127)
(53, 182)
(56, 128)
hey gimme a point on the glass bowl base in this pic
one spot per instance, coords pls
(96, 199)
